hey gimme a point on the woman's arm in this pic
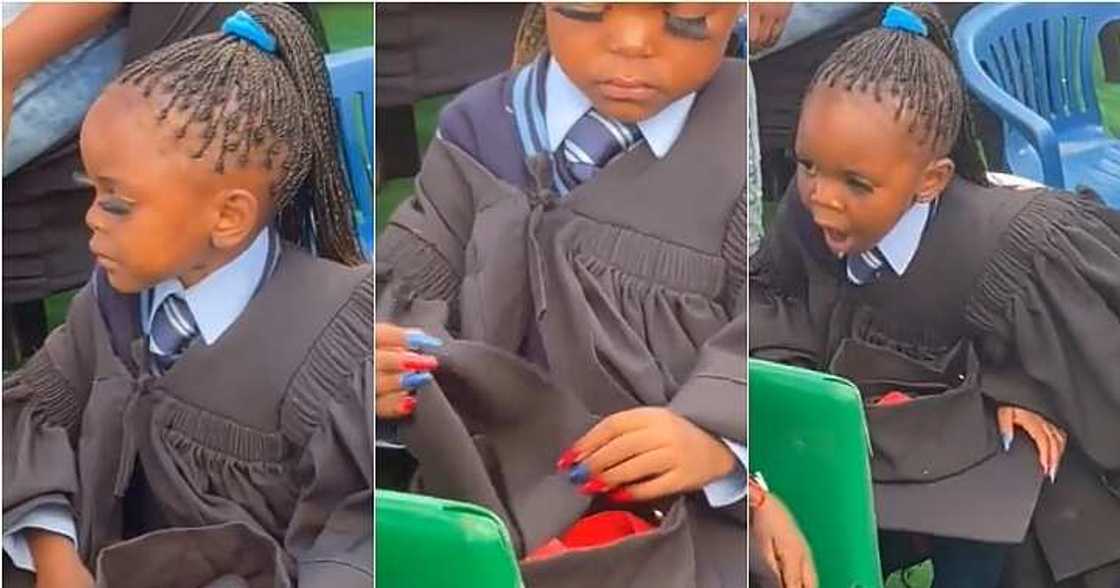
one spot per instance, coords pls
(44, 31)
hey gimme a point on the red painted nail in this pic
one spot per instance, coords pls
(419, 363)
(594, 486)
(621, 495)
(567, 459)
(408, 405)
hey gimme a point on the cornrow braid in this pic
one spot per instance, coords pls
(251, 105)
(919, 73)
(531, 38)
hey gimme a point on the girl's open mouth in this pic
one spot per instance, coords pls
(838, 241)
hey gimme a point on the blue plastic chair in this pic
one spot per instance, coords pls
(1032, 64)
(351, 75)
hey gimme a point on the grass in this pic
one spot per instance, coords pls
(1108, 96)
(347, 25)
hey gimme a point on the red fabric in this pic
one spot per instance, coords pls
(597, 530)
(892, 398)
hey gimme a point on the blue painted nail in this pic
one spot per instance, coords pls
(412, 381)
(421, 341)
(578, 474)
(1007, 441)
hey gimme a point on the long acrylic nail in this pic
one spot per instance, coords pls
(1053, 473)
(408, 405)
(417, 340)
(419, 363)
(566, 459)
(579, 474)
(594, 486)
(412, 381)
(621, 495)
(1007, 438)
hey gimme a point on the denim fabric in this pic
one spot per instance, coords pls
(51, 102)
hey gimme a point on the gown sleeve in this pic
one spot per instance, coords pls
(1048, 305)
(330, 535)
(42, 408)
(421, 253)
(714, 397)
(781, 325)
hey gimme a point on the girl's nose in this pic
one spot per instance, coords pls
(821, 194)
(93, 217)
(631, 30)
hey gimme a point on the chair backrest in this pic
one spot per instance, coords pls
(809, 440)
(351, 75)
(425, 542)
(1040, 54)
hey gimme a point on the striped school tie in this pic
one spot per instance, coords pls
(591, 144)
(868, 266)
(173, 330)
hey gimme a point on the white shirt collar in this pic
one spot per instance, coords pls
(219, 298)
(565, 103)
(900, 244)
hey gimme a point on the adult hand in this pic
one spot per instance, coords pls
(766, 21)
(647, 453)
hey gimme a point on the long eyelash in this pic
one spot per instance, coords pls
(859, 185)
(115, 206)
(689, 28)
(580, 15)
(81, 179)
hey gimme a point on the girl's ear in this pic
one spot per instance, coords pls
(239, 212)
(935, 179)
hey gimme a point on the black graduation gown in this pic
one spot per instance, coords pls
(252, 456)
(626, 293)
(1012, 298)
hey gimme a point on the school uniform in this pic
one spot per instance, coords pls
(246, 454)
(612, 291)
(993, 296)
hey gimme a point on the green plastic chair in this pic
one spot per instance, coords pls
(808, 438)
(425, 542)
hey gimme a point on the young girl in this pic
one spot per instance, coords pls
(201, 418)
(579, 230)
(966, 314)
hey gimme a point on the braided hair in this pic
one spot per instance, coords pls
(922, 76)
(531, 38)
(274, 109)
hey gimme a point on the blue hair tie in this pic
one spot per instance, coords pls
(902, 19)
(243, 26)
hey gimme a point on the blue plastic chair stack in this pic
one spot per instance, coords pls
(1032, 64)
(351, 75)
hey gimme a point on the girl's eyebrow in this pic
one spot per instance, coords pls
(82, 178)
(855, 175)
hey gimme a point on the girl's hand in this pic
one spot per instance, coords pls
(57, 564)
(400, 368)
(1048, 438)
(646, 453)
(782, 545)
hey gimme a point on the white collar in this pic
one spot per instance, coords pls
(565, 103)
(218, 299)
(900, 244)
